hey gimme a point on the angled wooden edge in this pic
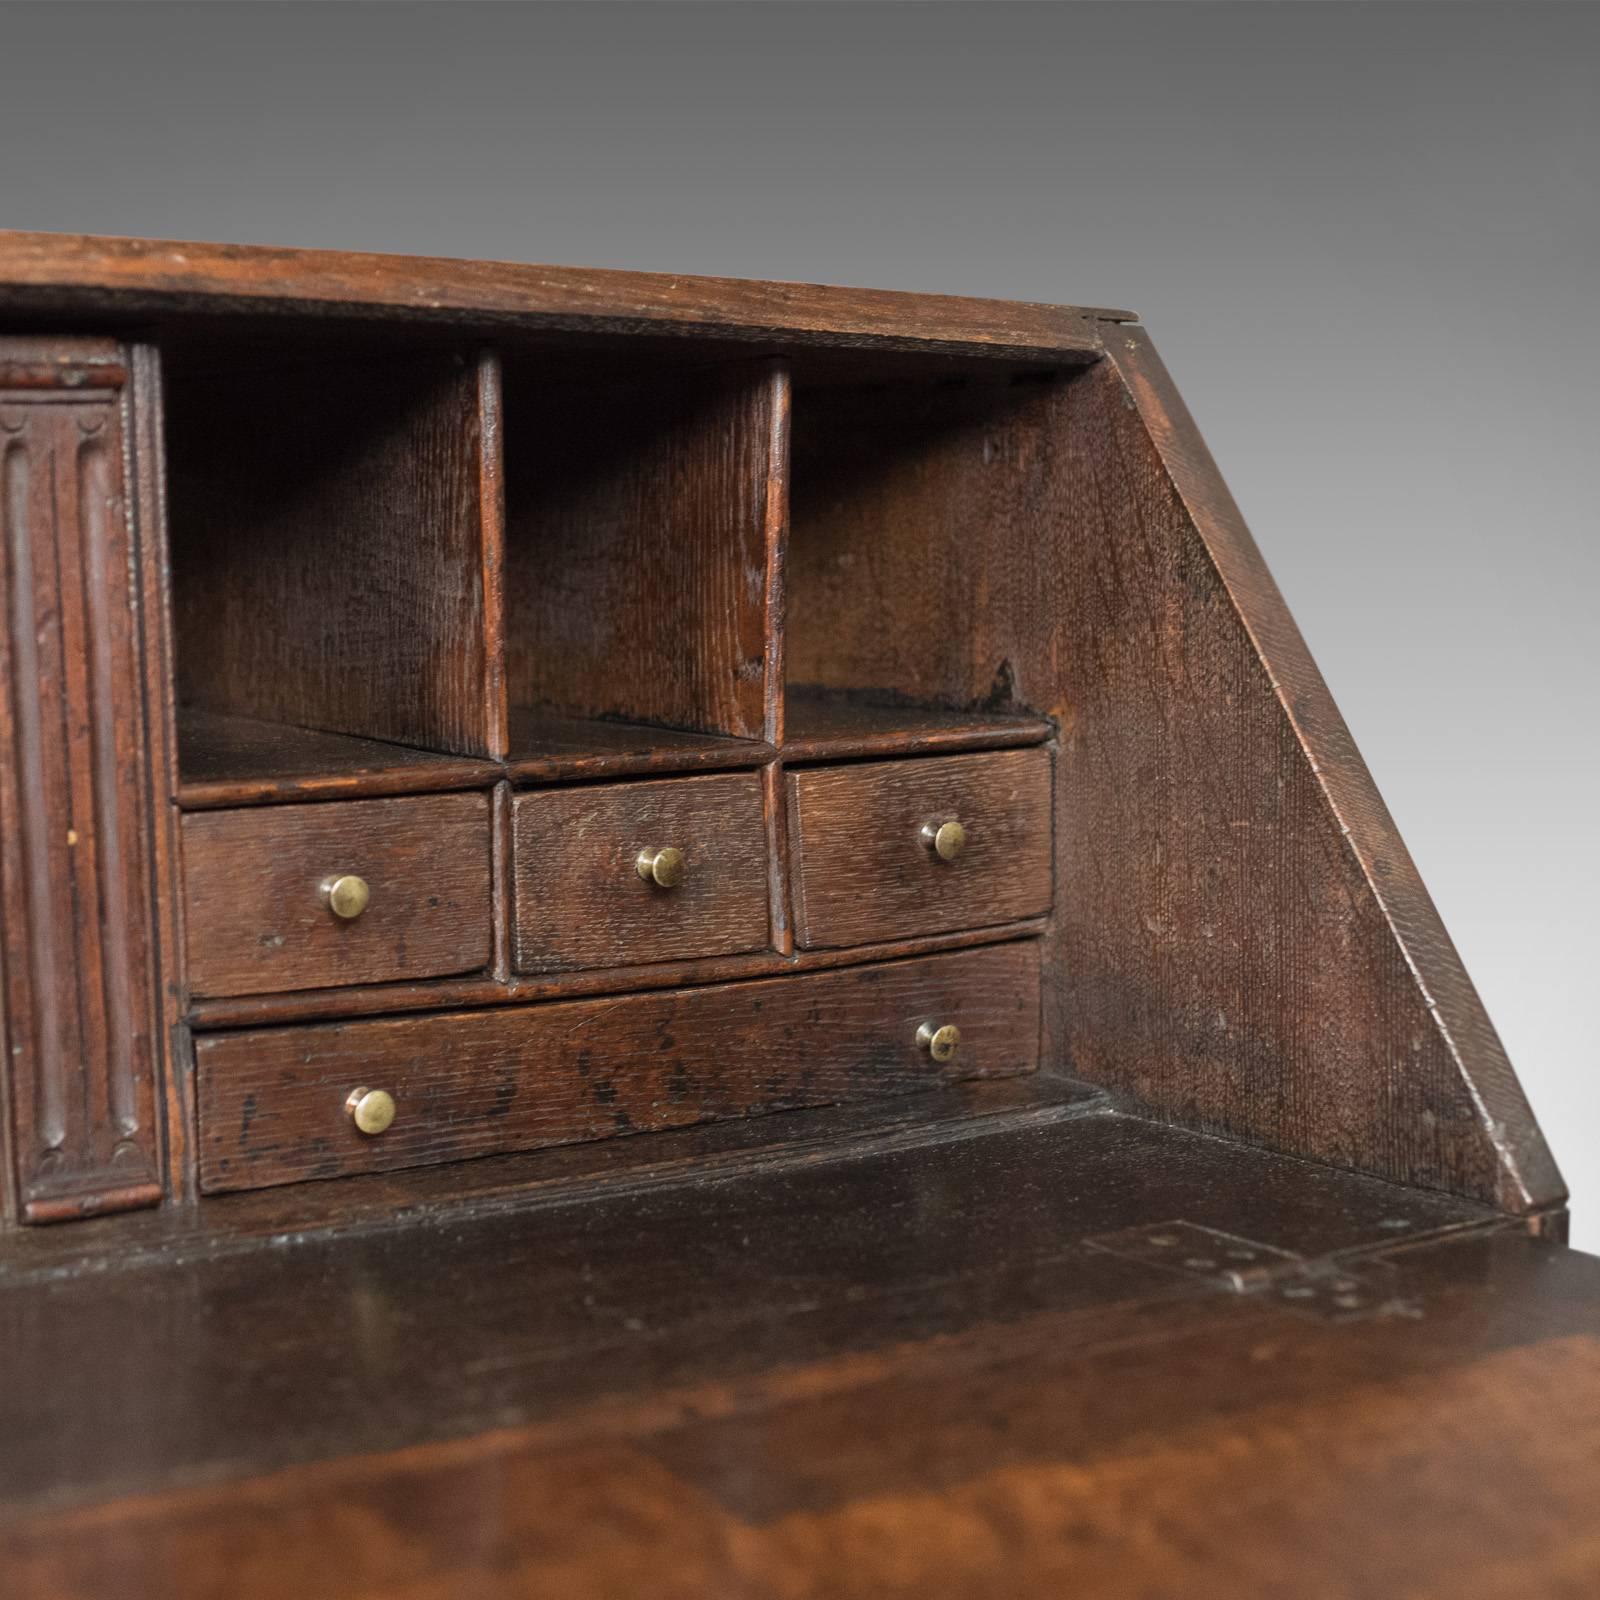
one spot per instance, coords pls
(1529, 1178)
(51, 271)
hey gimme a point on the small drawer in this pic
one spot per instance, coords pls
(318, 896)
(870, 861)
(627, 873)
(282, 1104)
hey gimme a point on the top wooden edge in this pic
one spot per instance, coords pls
(54, 272)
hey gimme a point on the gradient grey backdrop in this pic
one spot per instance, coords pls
(1365, 238)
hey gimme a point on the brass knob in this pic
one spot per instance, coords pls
(946, 839)
(662, 867)
(941, 1042)
(372, 1110)
(346, 895)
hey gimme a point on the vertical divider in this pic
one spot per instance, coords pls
(147, 477)
(775, 533)
(492, 524)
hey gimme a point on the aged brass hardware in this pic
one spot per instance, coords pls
(946, 839)
(346, 895)
(372, 1110)
(662, 867)
(940, 1041)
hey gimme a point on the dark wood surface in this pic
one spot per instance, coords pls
(824, 726)
(862, 872)
(238, 761)
(258, 920)
(333, 565)
(1244, 944)
(439, 994)
(638, 526)
(798, 1383)
(272, 1103)
(580, 901)
(55, 272)
(547, 747)
(78, 1014)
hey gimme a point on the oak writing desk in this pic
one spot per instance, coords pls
(676, 936)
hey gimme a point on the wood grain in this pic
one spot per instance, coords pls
(329, 548)
(255, 912)
(824, 726)
(924, 525)
(440, 994)
(1245, 945)
(862, 872)
(580, 901)
(79, 1011)
(719, 1382)
(238, 761)
(61, 271)
(637, 547)
(272, 1103)
(547, 747)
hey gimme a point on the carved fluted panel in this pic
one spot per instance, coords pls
(74, 797)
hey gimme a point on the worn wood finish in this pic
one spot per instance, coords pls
(237, 761)
(580, 901)
(825, 726)
(862, 872)
(441, 994)
(519, 1313)
(272, 1104)
(636, 547)
(52, 271)
(79, 1008)
(330, 551)
(729, 1151)
(925, 527)
(547, 747)
(1245, 946)
(1233, 1448)
(256, 914)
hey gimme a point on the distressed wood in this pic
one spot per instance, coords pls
(257, 918)
(332, 559)
(862, 871)
(71, 271)
(272, 1104)
(825, 726)
(637, 547)
(580, 901)
(76, 944)
(238, 761)
(261, 1010)
(1245, 945)
(547, 747)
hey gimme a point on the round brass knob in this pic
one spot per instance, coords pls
(662, 867)
(946, 839)
(941, 1042)
(372, 1110)
(346, 895)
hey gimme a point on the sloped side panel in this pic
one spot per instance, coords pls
(1244, 944)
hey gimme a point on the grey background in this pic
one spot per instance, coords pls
(1365, 238)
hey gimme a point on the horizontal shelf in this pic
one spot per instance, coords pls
(238, 761)
(820, 725)
(548, 747)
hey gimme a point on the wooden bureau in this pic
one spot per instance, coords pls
(726, 912)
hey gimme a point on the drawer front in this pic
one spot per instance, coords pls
(862, 841)
(275, 1103)
(258, 910)
(583, 901)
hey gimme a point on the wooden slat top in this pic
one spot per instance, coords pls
(53, 271)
